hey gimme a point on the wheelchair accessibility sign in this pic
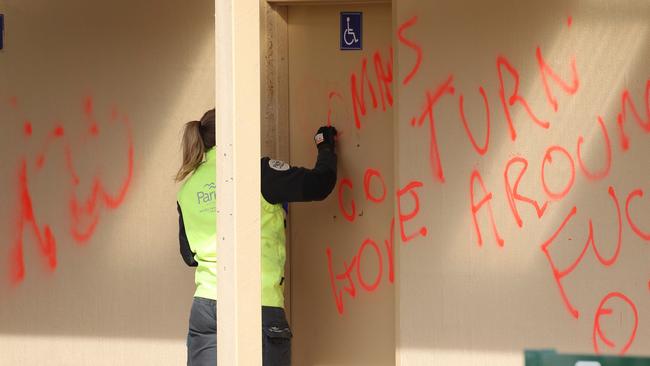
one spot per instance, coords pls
(350, 36)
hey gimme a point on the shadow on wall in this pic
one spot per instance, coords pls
(91, 98)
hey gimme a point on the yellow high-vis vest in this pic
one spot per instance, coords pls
(273, 254)
(197, 198)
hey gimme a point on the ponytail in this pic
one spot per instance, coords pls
(198, 137)
(193, 149)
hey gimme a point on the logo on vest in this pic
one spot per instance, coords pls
(207, 196)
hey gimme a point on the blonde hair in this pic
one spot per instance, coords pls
(198, 137)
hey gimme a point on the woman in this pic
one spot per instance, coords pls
(197, 235)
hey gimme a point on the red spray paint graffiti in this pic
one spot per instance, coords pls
(513, 194)
(608, 153)
(559, 274)
(476, 207)
(640, 233)
(626, 100)
(26, 218)
(412, 45)
(361, 82)
(348, 215)
(404, 217)
(546, 71)
(82, 211)
(481, 150)
(358, 92)
(367, 180)
(556, 183)
(598, 333)
(514, 97)
(87, 211)
(432, 98)
(354, 270)
(572, 176)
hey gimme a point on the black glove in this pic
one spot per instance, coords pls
(325, 137)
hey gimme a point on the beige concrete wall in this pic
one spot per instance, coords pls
(342, 302)
(119, 292)
(465, 300)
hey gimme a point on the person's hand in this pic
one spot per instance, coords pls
(325, 137)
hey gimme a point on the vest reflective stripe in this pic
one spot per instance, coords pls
(273, 254)
(198, 201)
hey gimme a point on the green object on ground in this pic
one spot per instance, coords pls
(552, 358)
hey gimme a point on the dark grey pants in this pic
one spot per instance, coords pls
(276, 337)
(202, 336)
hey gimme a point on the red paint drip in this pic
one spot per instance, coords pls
(569, 21)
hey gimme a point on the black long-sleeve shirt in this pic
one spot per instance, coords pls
(186, 252)
(283, 183)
